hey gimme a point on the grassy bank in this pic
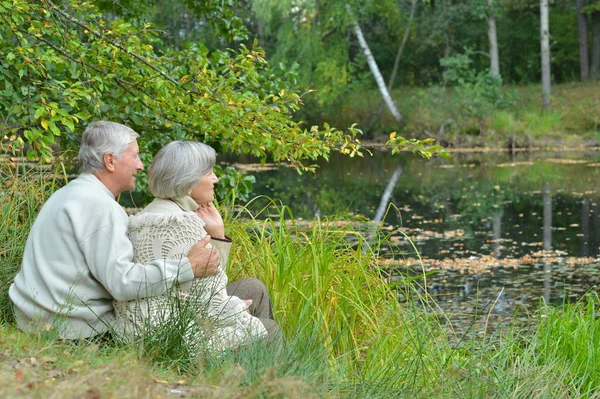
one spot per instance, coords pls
(347, 335)
(458, 117)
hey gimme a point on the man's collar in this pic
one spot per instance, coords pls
(89, 177)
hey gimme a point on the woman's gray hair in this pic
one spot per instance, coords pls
(100, 138)
(177, 168)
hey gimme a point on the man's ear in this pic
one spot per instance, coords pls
(109, 161)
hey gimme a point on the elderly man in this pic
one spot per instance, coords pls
(78, 258)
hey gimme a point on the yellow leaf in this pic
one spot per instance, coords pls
(44, 124)
(392, 135)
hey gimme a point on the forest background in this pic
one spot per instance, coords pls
(467, 73)
(464, 73)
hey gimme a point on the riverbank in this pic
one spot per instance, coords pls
(458, 118)
(347, 334)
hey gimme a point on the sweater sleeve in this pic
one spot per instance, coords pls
(223, 247)
(109, 255)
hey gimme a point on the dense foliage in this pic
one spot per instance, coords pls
(68, 63)
(409, 40)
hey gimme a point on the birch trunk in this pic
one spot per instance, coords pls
(374, 68)
(545, 47)
(377, 114)
(493, 38)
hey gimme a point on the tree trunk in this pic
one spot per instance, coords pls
(377, 114)
(595, 67)
(584, 57)
(493, 37)
(402, 44)
(374, 68)
(545, 47)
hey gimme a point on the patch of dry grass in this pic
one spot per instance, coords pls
(39, 367)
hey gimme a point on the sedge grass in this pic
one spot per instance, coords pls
(366, 332)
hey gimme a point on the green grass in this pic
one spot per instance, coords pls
(346, 334)
(456, 119)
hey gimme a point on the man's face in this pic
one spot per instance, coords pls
(127, 166)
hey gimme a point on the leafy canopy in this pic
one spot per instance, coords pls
(66, 64)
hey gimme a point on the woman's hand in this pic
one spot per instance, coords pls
(248, 303)
(213, 221)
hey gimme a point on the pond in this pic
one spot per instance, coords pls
(497, 232)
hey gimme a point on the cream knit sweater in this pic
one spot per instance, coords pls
(168, 229)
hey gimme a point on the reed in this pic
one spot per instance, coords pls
(325, 276)
(560, 359)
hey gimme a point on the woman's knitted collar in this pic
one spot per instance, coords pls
(186, 203)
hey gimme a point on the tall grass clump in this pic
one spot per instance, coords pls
(542, 123)
(23, 191)
(323, 281)
(558, 359)
(570, 340)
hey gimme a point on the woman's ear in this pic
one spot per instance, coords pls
(109, 161)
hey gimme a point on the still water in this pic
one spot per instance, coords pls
(498, 232)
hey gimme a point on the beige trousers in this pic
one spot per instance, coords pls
(252, 288)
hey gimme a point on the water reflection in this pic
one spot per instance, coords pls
(547, 200)
(585, 227)
(497, 236)
(499, 231)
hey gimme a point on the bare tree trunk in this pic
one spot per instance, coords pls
(374, 68)
(545, 46)
(402, 44)
(493, 37)
(390, 84)
(584, 56)
(595, 67)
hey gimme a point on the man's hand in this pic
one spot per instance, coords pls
(204, 261)
(213, 222)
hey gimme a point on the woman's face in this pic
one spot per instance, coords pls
(204, 191)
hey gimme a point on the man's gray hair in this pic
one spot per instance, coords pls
(100, 138)
(177, 168)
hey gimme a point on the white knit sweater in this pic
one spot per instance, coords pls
(168, 229)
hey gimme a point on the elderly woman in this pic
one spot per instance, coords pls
(181, 178)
